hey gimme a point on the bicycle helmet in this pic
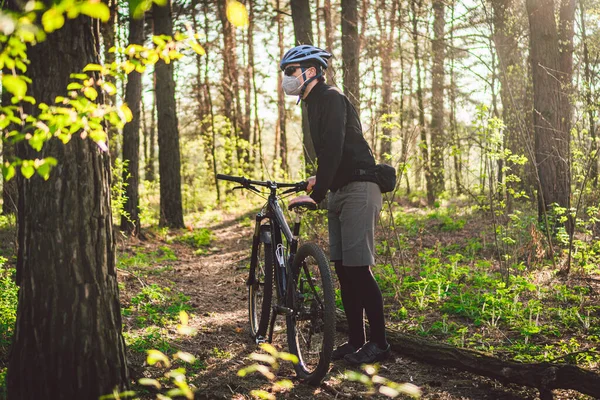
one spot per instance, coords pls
(305, 52)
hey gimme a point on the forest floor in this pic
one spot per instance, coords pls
(210, 283)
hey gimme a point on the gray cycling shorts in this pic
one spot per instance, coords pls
(353, 212)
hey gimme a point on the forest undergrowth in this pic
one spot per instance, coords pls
(442, 271)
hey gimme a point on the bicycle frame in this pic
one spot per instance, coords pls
(278, 230)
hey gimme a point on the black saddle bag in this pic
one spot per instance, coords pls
(383, 175)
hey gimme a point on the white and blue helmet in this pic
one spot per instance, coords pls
(304, 53)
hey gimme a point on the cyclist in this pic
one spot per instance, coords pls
(354, 202)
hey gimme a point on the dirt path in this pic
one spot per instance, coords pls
(215, 283)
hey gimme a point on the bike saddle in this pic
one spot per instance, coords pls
(306, 204)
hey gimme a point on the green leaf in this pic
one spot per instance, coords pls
(187, 357)
(43, 170)
(97, 10)
(92, 67)
(90, 93)
(27, 170)
(8, 171)
(15, 85)
(197, 48)
(52, 20)
(74, 86)
(155, 356)
(149, 382)
(237, 13)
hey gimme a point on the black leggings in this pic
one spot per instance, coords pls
(361, 292)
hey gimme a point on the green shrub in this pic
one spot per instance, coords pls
(8, 303)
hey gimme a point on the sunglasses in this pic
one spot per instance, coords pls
(289, 71)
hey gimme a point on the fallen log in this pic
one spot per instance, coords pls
(543, 376)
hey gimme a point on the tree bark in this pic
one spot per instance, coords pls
(513, 85)
(303, 33)
(351, 51)
(438, 139)
(68, 317)
(108, 33)
(415, 9)
(169, 157)
(150, 169)
(387, 26)
(280, 132)
(589, 102)
(551, 55)
(130, 223)
(328, 37)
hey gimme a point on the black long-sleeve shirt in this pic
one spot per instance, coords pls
(337, 135)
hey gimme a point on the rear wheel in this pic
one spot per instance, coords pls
(260, 293)
(311, 325)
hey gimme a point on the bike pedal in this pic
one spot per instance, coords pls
(284, 310)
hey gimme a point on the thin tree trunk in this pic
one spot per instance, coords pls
(150, 166)
(130, 222)
(169, 157)
(108, 33)
(415, 8)
(351, 51)
(552, 106)
(213, 131)
(513, 81)
(303, 33)
(387, 26)
(438, 139)
(456, 148)
(229, 65)
(328, 37)
(280, 133)
(68, 316)
(588, 97)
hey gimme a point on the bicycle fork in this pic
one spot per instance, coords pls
(287, 277)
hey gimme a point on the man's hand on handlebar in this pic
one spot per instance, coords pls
(311, 183)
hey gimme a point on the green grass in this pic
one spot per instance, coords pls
(156, 305)
(8, 303)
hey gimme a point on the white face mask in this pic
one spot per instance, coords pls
(291, 85)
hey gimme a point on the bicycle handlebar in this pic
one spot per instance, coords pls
(245, 182)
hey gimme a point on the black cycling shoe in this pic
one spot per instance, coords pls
(369, 353)
(342, 350)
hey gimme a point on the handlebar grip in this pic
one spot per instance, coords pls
(236, 179)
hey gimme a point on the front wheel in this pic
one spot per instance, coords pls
(260, 293)
(311, 324)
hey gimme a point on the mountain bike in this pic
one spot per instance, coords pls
(299, 278)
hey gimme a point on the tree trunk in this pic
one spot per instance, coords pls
(107, 30)
(589, 102)
(438, 139)
(130, 223)
(387, 26)
(169, 158)
(456, 145)
(303, 34)
(415, 9)
(280, 133)
(513, 84)
(328, 38)
(552, 107)
(9, 188)
(68, 317)
(150, 170)
(351, 51)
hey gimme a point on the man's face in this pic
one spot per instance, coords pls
(295, 71)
